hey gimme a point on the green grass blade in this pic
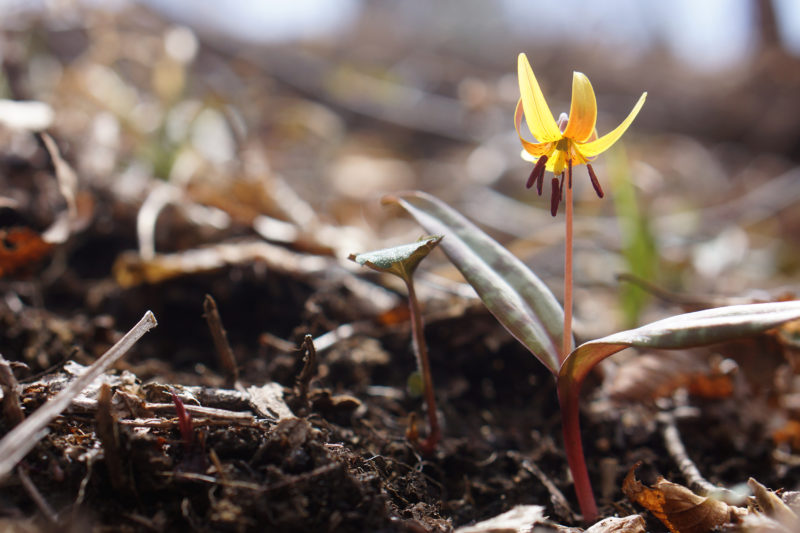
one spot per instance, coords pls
(514, 295)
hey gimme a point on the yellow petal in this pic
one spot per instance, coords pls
(591, 149)
(534, 149)
(537, 114)
(583, 110)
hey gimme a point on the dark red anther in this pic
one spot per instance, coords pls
(595, 182)
(184, 422)
(540, 182)
(537, 174)
(555, 199)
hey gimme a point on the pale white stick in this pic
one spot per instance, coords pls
(20, 440)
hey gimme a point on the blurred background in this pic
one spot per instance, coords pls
(300, 115)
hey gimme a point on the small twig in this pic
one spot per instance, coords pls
(218, 465)
(304, 378)
(676, 449)
(12, 410)
(108, 432)
(226, 358)
(35, 495)
(664, 295)
(79, 499)
(786, 458)
(345, 331)
(20, 440)
(560, 503)
(199, 410)
(67, 221)
(163, 423)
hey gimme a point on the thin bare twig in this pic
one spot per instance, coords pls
(67, 221)
(12, 410)
(309, 367)
(107, 430)
(199, 410)
(226, 358)
(35, 495)
(560, 503)
(19, 441)
(676, 449)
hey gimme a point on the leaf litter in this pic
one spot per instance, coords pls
(232, 425)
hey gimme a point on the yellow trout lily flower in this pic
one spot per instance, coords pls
(570, 141)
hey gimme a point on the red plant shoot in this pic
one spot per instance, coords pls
(184, 422)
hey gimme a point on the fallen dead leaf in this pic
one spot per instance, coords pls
(789, 433)
(520, 519)
(626, 524)
(773, 506)
(20, 249)
(680, 509)
(651, 376)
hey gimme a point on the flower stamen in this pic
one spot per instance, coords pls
(555, 197)
(595, 182)
(537, 174)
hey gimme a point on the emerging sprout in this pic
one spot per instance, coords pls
(402, 261)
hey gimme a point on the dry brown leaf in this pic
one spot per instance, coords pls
(652, 376)
(773, 506)
(20, 249)
(680, 509)
(626, 524)
(789, 433)
(520, 519)
(131, 270)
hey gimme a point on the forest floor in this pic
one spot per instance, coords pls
(303, 425)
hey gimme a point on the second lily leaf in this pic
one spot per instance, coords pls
(519, 300)
(688, 330)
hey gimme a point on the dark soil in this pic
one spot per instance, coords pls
(340, 459)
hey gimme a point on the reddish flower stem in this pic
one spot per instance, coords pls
(568, 398)
(566, 346)
(568, 395)
(424, 366)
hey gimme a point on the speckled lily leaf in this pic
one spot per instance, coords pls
(514, 295)
(682, 331)
(400, 260)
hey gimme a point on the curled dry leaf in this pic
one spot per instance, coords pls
(680, 509)
(773, 506)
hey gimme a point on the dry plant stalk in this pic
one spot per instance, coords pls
(226, 358)
(19, 441)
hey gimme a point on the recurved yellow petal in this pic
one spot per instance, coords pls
(591, 149)
(583, 109)
(537, 114)
(534, 149)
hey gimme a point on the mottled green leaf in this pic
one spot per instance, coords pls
(682, 331)
(400, 260)
(514, 295)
